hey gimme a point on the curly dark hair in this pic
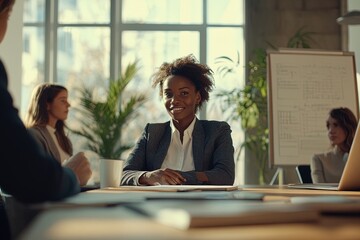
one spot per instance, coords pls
(347, 121)
(189, 67)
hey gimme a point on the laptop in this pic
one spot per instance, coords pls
(350, 178)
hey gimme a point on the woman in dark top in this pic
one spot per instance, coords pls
(184, 150)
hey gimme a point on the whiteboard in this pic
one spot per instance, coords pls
(302, 88)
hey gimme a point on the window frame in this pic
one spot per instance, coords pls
(117, 27)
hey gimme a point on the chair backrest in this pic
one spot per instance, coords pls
(304, 173)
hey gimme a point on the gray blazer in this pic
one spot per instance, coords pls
(43, 137)
(213, 153)
(328, 167)
(26, 172)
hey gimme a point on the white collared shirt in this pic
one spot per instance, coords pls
(180, 155)
(63, 155)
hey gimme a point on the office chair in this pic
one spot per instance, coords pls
(304, 173)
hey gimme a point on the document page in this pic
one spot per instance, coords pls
(176, 188)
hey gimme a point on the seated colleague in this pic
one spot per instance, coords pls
(328, 167)
(45, 120)
(26, 172)
(184, 150)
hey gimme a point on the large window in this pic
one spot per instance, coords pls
(73, 42)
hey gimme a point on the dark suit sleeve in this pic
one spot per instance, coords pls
(223, 158)
(219, 165)
(26, 172)
(135, 165)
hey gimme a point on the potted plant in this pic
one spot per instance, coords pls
(249, 104)
(103, 122)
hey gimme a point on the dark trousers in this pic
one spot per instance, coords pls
(4, 222)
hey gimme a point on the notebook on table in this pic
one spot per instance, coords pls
(195, 214)
(350, 178)
(175, 188)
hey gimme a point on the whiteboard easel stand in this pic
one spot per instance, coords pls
(294, 105)
(279, 174)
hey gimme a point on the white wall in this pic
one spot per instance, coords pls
(11, 48)
(11, 51)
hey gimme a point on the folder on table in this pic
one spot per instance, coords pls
(192, 214)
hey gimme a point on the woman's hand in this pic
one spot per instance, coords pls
(162, 177)
(80, 166)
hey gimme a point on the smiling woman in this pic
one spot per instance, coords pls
(184, 150)
(91, 43)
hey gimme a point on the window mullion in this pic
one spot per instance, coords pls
(203, 51)
(51, 40)
(116, 41)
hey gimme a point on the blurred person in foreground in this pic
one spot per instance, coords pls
(26, 171)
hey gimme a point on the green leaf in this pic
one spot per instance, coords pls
(248, 105)
(102, 122)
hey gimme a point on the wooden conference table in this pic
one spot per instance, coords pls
(91, 215)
